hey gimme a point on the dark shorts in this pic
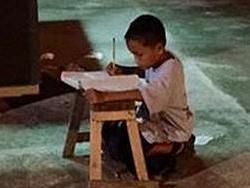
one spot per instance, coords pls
(116, 144)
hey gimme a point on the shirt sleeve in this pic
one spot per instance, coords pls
(157, 92)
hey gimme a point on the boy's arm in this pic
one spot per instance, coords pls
(95, 96)
(132, 70)
(115, 69)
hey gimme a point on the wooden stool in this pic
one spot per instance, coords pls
(113, 111)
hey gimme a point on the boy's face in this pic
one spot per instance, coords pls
(145, 56)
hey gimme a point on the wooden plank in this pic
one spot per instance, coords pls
(136, 146)
(74, 125)
(113, 115)
(15, 91)
(123, 184)
(83, 137)
(114, 105)
(95, 171)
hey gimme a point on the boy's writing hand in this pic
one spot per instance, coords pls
(94, 96)
(112, 69)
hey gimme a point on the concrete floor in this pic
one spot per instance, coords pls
(211, 38)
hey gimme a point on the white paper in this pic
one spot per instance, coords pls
(100, 80)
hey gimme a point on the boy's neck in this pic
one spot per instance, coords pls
(165, 56)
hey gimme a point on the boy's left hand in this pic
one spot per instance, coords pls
(94, 96)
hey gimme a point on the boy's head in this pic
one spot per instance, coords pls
(146, 40)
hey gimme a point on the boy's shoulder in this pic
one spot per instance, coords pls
(173, 61)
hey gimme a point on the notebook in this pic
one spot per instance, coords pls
(100, 80)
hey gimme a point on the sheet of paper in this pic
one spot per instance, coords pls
(100, 80)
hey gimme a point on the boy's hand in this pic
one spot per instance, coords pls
(112, 69)
(94, 96)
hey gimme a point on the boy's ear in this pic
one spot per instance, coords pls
(160, 48)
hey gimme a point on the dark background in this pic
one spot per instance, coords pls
(19, 44)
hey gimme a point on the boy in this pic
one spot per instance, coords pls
(166, 121)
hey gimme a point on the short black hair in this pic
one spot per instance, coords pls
(147, 29)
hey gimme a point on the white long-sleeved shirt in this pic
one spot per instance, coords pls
(166, 99)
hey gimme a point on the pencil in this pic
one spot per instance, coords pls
(113, 54)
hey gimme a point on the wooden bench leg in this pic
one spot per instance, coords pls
(74, 125)
(136, 146)
(95, 171)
